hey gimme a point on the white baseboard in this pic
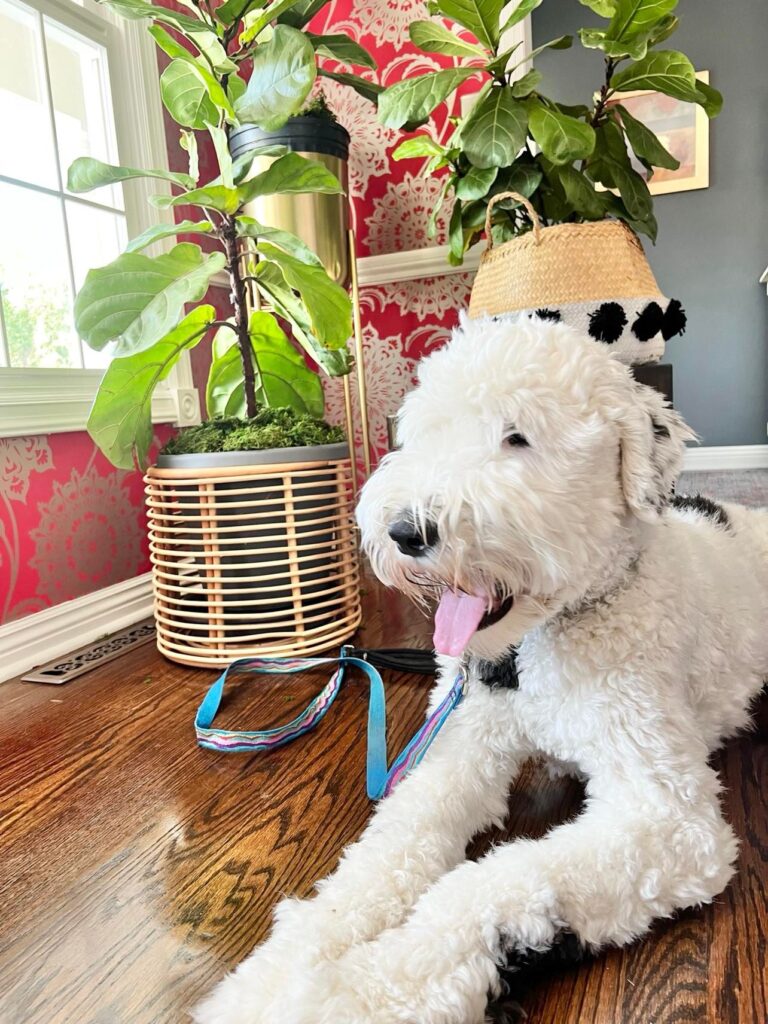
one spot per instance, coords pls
(48, 634)
(734, 456)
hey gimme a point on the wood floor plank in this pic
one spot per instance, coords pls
(135, 868)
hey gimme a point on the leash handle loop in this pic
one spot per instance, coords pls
(380, 781)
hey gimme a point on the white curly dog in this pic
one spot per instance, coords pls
(530, 493)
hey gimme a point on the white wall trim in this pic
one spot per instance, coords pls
(39, 401)
(48, 634)
(412, 264)
(735, 456)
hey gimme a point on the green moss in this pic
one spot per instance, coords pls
(318, 107)
(270, 428)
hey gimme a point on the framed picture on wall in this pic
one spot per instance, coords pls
(682, 128)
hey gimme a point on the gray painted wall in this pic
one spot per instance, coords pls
(713, 243)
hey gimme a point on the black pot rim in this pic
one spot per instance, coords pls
(300, 134)
(266, 457)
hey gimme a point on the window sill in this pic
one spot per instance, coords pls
(58, 401)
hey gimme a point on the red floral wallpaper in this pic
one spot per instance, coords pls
(69, 522)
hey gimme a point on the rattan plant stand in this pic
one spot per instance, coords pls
(253, 553)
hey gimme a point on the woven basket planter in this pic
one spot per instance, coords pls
(253, 553)
(594, 277)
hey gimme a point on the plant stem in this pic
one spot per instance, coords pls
(228, 235)
(597, 113)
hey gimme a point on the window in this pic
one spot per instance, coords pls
(75, 80)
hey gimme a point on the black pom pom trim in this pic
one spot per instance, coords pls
(549, 314)
(674, 320)
(649, 322)
(607, 322)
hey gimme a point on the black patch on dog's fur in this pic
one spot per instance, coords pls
(649, 322)
(523, 968)
(607, 322)
(674, 320)
(659, 430)
(500, 675)
(549, 314)
(704, 506)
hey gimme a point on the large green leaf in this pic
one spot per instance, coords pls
(160, 231)
(136, 300)
(248, 227)
(282, 375)
(291, 173)
(86, 174)
(562, 139)
(667, 71)
(495, 129)
(524, 86)
(578, 190)
(120, 421)
(300, 13)
(209, 197)
(176, 51)
(635, 47)
(605, 8)
(188, 142)
(448, 181)
(282, 76)
(611, 166)
(419, 145)
(635, 16)
(414, 99)
(259, 19)
(432, 37)
(185, 96)
(341, 48)
(274, 288)
(455, 236)
(327, 303)
(369, 90)
(708, 98)
(481, 17)
(522, 10)
(644, 143)
(221, 148)
(476, 183)
(232, 11)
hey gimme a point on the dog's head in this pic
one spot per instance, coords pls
(527, 457)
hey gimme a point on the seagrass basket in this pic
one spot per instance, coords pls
(253, 553)
(593, 276)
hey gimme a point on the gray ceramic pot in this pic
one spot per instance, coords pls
(316, 500)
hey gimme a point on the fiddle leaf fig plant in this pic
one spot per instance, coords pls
(242, 62)
(573, 161)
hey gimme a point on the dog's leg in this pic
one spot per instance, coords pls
(416, 835)
(604, 876)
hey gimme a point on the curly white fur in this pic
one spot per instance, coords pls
(642, 639)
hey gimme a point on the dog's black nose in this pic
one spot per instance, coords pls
(410, 538)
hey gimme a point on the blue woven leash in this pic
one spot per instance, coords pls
(380, 781)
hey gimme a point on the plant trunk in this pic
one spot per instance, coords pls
(240, 308)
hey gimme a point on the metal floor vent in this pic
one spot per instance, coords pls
(100, 651)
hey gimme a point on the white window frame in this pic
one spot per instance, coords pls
(47, 401)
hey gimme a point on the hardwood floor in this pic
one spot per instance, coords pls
(135, 868)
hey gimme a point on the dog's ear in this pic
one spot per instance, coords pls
(652, 445)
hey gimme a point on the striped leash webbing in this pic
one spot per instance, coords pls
(380, 781)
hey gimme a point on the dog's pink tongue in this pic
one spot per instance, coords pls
(456, 619)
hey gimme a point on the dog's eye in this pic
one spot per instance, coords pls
(515, 440)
